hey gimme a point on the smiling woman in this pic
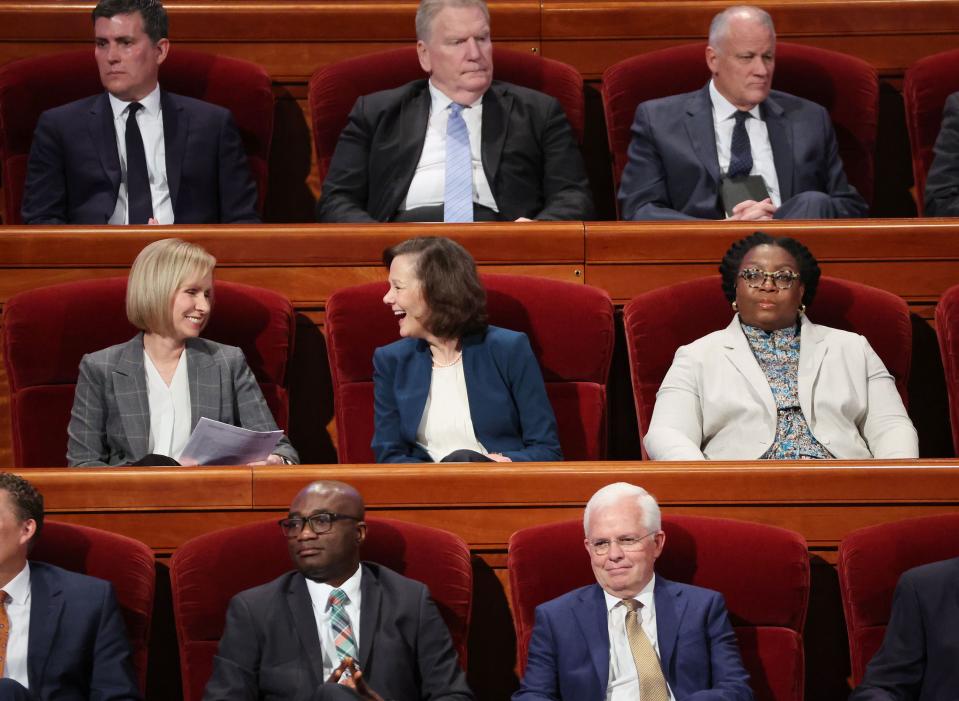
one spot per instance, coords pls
(772, 384)
(138, 402)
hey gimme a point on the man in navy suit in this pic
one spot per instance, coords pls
(66, 638)
(633, 634)
(136, 154)
(683, 146)
(919, 657)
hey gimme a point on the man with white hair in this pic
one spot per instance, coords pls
(633, 634)
(735, 148)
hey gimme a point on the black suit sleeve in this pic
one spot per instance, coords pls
(346, 187)
(234, 676)
(112, 677)
(238, 196)
(566, 192)
(45, 190)
(942, 184)
(439, 669)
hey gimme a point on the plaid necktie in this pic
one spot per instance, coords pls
(458, 195)
(740, 155)
(139, 199)
(652, 684)
(343, 638)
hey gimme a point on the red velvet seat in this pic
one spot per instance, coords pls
(335, 87)
(870, 562)
(126, 563)
(31, 86)
(927, 84)
(846, 86)
(47, 331)
(947, 329)
(208, 571)
(762, 571)
(574, 359)
(660, 321)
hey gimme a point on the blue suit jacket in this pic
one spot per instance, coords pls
(919, 655)
(73, 175)
(78, 649)
(673, 170)
(508, 404)
(569, 651)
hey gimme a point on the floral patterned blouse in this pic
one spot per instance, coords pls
(777, 353)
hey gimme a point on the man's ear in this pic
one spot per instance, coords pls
(163, 48)
(424, 55)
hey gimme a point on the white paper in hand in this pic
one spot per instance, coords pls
(216, 443)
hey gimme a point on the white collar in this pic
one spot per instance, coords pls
(151, 104)
(18, 588)
(724, 109)
(321, 590)
(440, 100)
(645, 596)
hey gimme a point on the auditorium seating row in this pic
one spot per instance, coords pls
(846, 86)
(46, 331)
(763, 572)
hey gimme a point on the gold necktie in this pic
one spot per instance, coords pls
(652, 684)
(4, 630)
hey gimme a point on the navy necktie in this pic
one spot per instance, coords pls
(139, 200)
(740, 155)
(458, 193)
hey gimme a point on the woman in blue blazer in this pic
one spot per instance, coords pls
(453, 388)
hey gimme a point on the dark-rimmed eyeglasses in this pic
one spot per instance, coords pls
(782, 279)
(625, 542)
(319, 523)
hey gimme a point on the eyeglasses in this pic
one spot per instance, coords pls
(782, 279)
(319, 523)
(628, 543)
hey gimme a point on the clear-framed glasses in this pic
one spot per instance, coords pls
(782, 279)
(319, 523)
(625, 542)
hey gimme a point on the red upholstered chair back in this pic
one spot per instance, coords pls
(208, 571)
(30, 86)
(763, 572)
(47, 331)
(126, 563)
(335, 88)
(947, 329)
(870, 562)
(846, 86)
(660, 321)
(927, 84)
(570, 328)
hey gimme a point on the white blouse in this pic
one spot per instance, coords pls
(171, 415)
(446, 424)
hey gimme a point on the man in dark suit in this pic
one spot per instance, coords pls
(136, 154)
(633, 634)
(335, 628)
(411, 153)
(684, 146)
(919, 657)
(61, 634)
(942, 184)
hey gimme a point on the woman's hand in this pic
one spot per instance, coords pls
(273, 459)
(497, 457)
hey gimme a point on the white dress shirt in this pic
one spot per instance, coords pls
(320, 596)
(171, 414)
(18, 611)
(623, 684)
(150, 121)
(446, 424)
(429, 179)
(723, 122)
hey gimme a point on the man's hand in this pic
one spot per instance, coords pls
(751, 210)
(353, 680)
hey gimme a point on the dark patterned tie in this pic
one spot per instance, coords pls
(343, 638)
(139, 200)
(740, 155)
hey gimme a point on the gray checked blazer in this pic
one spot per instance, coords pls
(110, 422)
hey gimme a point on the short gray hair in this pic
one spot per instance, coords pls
(619, 491)
(428, 9)
(719, 27)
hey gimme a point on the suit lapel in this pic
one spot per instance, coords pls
(176, 123)
(670, 606)
(46, 605)
(301, 610)
(204, 379)
(497, 104)
(420, 375)
(130, 390)
(702, 133)
(781, 141)
(738, 352)
(591, 617)
(369, 614)
(103, 135)
(812, 352)
(413, 122)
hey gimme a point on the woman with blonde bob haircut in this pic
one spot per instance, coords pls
(138, 402)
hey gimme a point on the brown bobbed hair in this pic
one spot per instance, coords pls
(449, 282)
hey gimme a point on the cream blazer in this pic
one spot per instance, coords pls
(715, 402)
